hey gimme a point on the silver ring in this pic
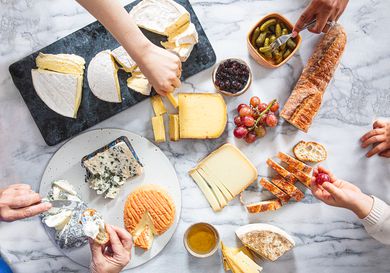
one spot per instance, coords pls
(331, 23)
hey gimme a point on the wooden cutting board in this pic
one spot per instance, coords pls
(87, 42)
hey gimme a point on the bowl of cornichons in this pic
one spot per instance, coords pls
(264, 32)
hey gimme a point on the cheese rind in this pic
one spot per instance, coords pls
(202, 115)
(158, 129)
(158, 105)
(139, 83)
(188, 36)
(174, 127)
(124, 59)
(61, 63)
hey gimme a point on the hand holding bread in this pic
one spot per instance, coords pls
(379, 138)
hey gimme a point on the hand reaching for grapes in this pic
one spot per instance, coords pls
(339, 193)
(379, 137)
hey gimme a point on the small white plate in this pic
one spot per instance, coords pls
(66, 164)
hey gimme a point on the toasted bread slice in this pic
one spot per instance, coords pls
(281, 171)
(263, 206)
(275, 190)
(295, 163)
(310, 151)
(91, 217)
(301, 176)
(288, 188)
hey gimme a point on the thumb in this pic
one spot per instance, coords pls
(333, 190)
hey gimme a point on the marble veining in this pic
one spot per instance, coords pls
(328, 239)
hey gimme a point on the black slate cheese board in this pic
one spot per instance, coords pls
(87, 42)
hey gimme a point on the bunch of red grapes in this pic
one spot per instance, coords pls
(253, 119)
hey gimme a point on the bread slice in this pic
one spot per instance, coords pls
(275, 190)
(310, 151)
(301, 176)
(263, 206)
(288, 188)
(295, 163)
(91, 218)
(281, 171)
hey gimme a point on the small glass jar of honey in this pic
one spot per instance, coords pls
(201, 240)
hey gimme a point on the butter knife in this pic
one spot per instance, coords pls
(67, 204)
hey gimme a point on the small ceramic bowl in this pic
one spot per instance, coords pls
(226, 93)
(257, 56)
(197, 255)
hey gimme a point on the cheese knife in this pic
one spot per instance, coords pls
(67, 204)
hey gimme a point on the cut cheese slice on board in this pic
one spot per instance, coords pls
(60, 92)
(209, 176)
(139, 83)
(174, 127)
(62, 63)
(208, 193)
(239, 262)
(188, 36)
(163, 17)
(217, 192)
(201, 115)
(124, 59)
(236, 250)
(103, 77)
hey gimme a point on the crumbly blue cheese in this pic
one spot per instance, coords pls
(108, 170)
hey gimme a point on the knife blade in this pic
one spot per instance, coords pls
(67, 204)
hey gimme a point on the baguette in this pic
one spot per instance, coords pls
(305, 100)
(284, 197)
(310, 151)
(301, 176)
(295, 163)
(263, 206)
(288, 188)
(281, 171)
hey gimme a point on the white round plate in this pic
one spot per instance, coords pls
(66, 164)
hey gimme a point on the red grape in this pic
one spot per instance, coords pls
(245, 111)
(263, 119)
(260, 131)
(271, 120)
(322, 178)
(240, 106)
(240, 132)
(248, 121)
(275, 107)
(262, 107)
(237, 120)
(250, 137)
(255, 101)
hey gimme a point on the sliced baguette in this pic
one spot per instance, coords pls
(290, 178)
(288, 188)
(275, 190)
(310, 151)
(295, 163)
(301, 176)
(263, 206)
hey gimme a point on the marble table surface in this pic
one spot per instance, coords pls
(328, 239)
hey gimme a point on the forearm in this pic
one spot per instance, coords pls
(362, 205)
(118, 21)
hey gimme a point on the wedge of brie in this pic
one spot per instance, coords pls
(139, 83)
(103, 77)
(59, 220)
(60, 92)
(182, 51)
(188, 37)
(124, 59)
(163, 17)
(62, 63)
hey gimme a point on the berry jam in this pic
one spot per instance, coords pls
(232, 76)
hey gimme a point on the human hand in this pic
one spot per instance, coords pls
(324, 11)
(162, 68)
(113, 257)
(340, 193)
(18, 201)
(379, 137)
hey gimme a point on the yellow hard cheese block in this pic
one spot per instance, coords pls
(202, 115)
(236, 250)
(239, 262)
(158, 105)
(158, 129)
(174, 127)
(172, 100)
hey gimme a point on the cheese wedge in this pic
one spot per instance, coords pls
(158, 129)
(182, 51)
(239, 262)
(103, 77)
(139, 83)
(202, 115)
(217, 192)
(62, 63)
(202, 184)
(236, 250)
(209, 176)
(60, 92)
(143, 235)
(59, 220)
(163, 17)
(174, 127)
(158, 105)
(188, 36)
(173, 100)
(124, 59)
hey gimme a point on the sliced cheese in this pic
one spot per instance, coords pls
(210, 196)
(202, 115)
(182, 51)
(158, 105)
(158, 129)
(231, 167)
(139, 83)
(236, 250)
(163, 17)
(62, 63)
(124, 59)
(189, 35)
(103, 77)
(173, 100)
(174, 127)
(217, 192)
(210, 178)
(245, 263)
(58, 221)
(60, 92)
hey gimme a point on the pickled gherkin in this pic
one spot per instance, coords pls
(267, 24)
(260, 40)
(255, 35)
(291, 44)
(278, 31)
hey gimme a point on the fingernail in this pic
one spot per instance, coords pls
(48, 205)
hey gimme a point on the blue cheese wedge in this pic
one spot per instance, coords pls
(110, 167)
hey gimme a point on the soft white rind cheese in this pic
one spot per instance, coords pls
(139, 83)
(103, 78)
(188, 36)
(59, 220)
(124, 59)
(62, 63)
(60, 92)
